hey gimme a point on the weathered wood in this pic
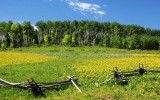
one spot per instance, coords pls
(1, 84)
(130, 74)
(43, 85)
(9, 83)
(74, 84)
(55, 83)
(122, 76)
(15, 85)
(153, 71)
(139, 71)
(35, 89)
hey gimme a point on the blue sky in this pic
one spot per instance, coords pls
(145, 13)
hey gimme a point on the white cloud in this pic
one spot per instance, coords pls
(86, 7)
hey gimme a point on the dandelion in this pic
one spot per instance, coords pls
(151, 61)
(9, 58)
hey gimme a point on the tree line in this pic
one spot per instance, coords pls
(78, 33)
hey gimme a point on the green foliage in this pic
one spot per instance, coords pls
(80, 33)
(66, 40)
(131, 42)
(46, 40)
(149, 42)
(27, 32)
(102, 40)
(73, 41)
(41, 25)
(115, 41)
(15, 28)
(7, 40)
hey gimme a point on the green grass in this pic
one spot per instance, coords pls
(145, 87)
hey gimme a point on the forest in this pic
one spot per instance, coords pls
(78, 33)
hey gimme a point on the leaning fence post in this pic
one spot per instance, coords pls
(74, 84)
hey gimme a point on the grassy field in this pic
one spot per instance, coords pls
(89, 64)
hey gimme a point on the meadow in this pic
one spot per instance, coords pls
(89, 64)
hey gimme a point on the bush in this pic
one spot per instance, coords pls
(149, 43)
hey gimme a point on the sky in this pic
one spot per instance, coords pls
(144, 13)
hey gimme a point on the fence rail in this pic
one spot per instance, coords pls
(37, 87)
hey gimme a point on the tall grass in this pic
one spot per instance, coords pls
(68, 60)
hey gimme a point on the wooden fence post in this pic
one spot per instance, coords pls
(74, 84)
